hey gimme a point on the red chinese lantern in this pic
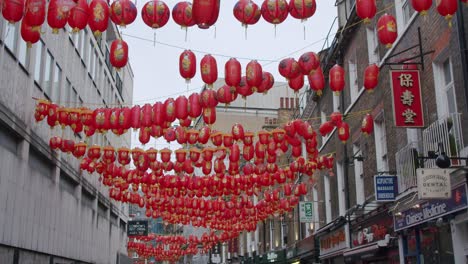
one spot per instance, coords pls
(247, 12)
(336, 118)
(99, 16)
(343, 132)
(119, 53)
(209, 115)
(181, 135)
(234, 155)
(254, 75)
(55, 142)
(35, 12)
(12, 10)
(296, 83)
(275, 11)
(169, 105)
(124, 12)
(248, 152)
(317, 81)
(371, 77)
(366, 9)
(226, 94)
(181, 107)
(217, 138)
(208, 98)
(367, 125)
(447, 8)
(289, 68)
(387, 30)
(421, 6)
(267, 83)
(237, 131)
(187, 65)
(309, 62)
(302, 9)
(326, 128)
(79, 150)
(337, 79)
(192, 136)
(79, 15)
(30, 34)
(204, 135)
(194, 105)
(244, 89)
(155, 14)
(205, 12)
(232, 72)
(209, 69)
(146, 116)
(185, 122)
(182, 14)
(57, 14)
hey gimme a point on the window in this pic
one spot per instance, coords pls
(284, 234)
(323, 119)
(353, 80)
(39, 163)
(272, 234)
(328, 212)
(404, 12)
(38, 62)
(67, 184)
(380, 136)
(8, 140)
(449, 87)
(83, 35)
(11, 37)
(315, 207)
(358, 175)
(282, 102)
(372, 45)
(341, 194)
(47, 78)
(23, 54)
(445, 89)
(56, 84)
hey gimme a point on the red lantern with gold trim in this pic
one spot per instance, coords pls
(208, 98)
(99, 16)
(119, 53)
(232, 72)
(181, 107)
(228, 140)
(247, 12)
(309, 62)
(187, 65)
(267, 83)
(80, 150)
(155, 14)
(144, 136)
(367, 125)
(317, 81)
(343, 132)
(275, 11)
(204, 135)
(205, 12)
(79, 15)
(244, 89)
(194, 105)
(124, 12)
(337, 79)
(217, 138)
(181, 135)
(30, 34)
(248, 138)
(55, 143)
(209, 70)
(182, 14)
(192, 136)
(57, 14)
(226, 94)
(12, 10)
(209, 115)
(387, 30)
(237, 131)
(170, 107)
(366, 9)
(289, 68)
(296, 83)
(302, 9)
(326, 128)
(371, 77)
(248, 152)
(165, 155)
(253, 74)
(94, 152)
(35, 12)
(336, 118)
(421, 6)
(447, 8)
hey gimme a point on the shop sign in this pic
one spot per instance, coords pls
(371, 232)
(332, 242)
(431, 209)
(137, 228)
(305, 212)
(407, 98)
(386, 188)
(434, 183)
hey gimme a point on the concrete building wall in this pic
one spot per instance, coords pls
(52, 212)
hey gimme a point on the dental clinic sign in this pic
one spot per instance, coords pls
(434, 183)
(431, 209)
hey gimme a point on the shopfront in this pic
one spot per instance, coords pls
(278, 256)
(307, 250)
(333, 244)
(426, 229)
(373, 239)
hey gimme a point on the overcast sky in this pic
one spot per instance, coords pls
(156, 66)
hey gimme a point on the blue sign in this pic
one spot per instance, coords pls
(431, 209)
(386, 188)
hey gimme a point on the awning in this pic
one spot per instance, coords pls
(365, 251)
(332, 254)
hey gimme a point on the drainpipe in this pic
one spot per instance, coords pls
(463, 48)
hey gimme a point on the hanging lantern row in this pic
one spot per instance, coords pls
(153, 119)
(294, 71)
(336, 121)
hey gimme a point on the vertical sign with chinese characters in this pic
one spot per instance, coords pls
(305, 212)
(407, 98)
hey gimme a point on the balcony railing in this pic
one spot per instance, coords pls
(446, 131)
(406, 165)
